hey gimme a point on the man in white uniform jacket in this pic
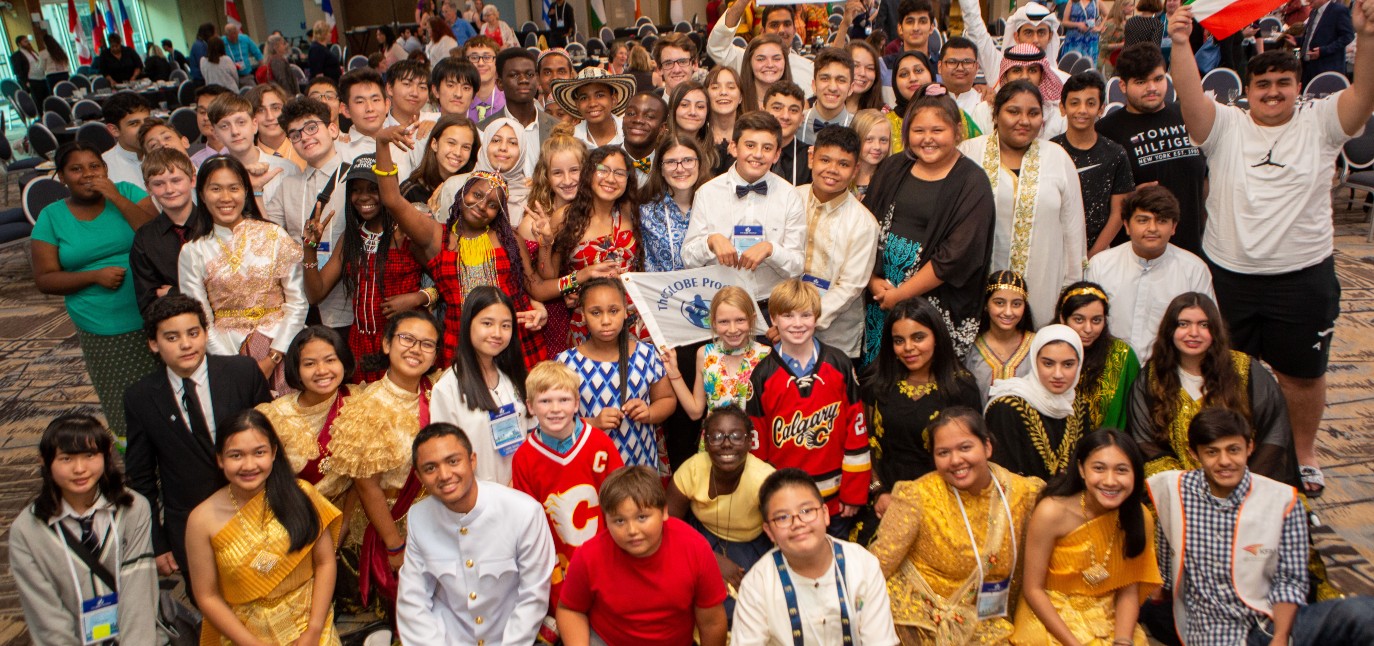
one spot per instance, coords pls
(477, 567)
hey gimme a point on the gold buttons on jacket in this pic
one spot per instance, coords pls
(479, 621)
(472, 596)
(469, 563)
(463, 531)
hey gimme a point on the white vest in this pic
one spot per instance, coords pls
(1255, 545)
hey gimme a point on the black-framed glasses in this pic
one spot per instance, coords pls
(676, 62)
(324, 96)
(784, 519)
(961, 63)
(408, 341)
(307, 129)
(735, 437)
(481, 58)
(686, 163)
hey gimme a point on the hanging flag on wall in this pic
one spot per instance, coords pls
(599, 16)
(98, 28)
(83, 50)
(111, 24)
(231, 12)
(328, 9)
(127, 25)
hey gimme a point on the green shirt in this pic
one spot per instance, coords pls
(84, 246)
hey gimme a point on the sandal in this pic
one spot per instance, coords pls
(1313, 482)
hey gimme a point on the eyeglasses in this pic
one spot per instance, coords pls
(481, 58)
(716, 439)
(805, 515)
(686, 163)
(308, 129)
(676, 62)
(960, 63)
(408, 341)
(324, 96)
(605, 171)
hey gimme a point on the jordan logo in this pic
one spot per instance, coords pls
(1268, 161)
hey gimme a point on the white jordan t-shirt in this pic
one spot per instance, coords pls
(1269, 207)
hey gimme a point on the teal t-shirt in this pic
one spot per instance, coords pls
(84, 246)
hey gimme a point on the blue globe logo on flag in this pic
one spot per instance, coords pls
(697, 312)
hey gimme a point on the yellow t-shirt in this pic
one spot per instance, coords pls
(734, 517)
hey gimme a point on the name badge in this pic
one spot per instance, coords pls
(747, 235)
(100, 618)
(558, 24)
(323, 247)
(993, 599)
(506, 433)
(820, 283)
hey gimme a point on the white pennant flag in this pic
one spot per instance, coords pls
(676, 305)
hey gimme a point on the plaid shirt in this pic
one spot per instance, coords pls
(444, 268)
(1216, 614)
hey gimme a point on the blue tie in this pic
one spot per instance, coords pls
(760, 187)
(817, 125)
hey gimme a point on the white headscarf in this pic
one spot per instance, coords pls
(515, 177)
(1029, 387)
(1035, 14)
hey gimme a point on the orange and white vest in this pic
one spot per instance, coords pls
(1255, 542)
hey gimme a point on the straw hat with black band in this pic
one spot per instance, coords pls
(622, 87)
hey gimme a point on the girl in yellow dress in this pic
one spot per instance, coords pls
(950, 543)
(261, 549)
(1090, 551)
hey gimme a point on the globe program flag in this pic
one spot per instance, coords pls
(676, 305)
(1223, 18)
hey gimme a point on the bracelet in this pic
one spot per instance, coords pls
(568, 284)
(395, 170)
(311, 265)
(398, 550)
(431, 295)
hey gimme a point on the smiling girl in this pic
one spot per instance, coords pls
(1109, 364)
(244, 270)
(726, 102)
(318, 366)
(765, 63)
(934, 563)
(452, 149)
(557, 176)
(1033, 418)
(1005, 332)
(261, 548)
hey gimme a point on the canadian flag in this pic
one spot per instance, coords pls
(83, 51)
(231, 11)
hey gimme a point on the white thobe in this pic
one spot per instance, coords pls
(1140, 289)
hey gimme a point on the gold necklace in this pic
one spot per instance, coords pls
(1096, 572)
(265, 560)
(234, 257)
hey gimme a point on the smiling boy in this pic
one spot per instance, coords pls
(268, 99)
(842, 238)
(646, 119)
(1104, 170)
(749, 218)
(787, 103)
(171, 182)
(834, 73)
(232, 116)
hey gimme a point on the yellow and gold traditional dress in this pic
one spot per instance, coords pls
(932, 578)
(305, 432)
(268, 589)
(1093, 551)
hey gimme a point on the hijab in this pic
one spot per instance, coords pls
(1029, 387)
(519, 190)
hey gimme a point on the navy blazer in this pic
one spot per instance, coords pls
(1331, 33)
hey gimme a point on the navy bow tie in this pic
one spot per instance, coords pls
(760, 187)
(817, 125)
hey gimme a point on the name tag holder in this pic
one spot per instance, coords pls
(746, 236)
(506, 432)
(820, 283)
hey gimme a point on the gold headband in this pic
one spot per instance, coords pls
(1084, 291)
(496, 180)
(1007, 286)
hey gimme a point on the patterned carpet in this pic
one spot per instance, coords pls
(42, 375)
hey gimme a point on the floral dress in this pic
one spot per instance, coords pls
(723, 389)
(620, 247)
(1083, 42)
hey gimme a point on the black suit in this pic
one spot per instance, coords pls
(164, 462)
(153, 260)
(1330, 31)
(19, 64)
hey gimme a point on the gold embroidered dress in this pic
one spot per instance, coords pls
(1090, 609)
(268, 589)
(305, 432)
(932, 578)
(1103, 402)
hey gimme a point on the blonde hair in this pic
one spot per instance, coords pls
(166, 160)
(541, 189)
(736, 297)
(640, 61)
(550, 375)
(865, 120)
(794, 295)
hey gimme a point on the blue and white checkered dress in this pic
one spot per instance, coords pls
(600, 388)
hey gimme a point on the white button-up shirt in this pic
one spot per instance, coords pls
(201, 378)
(123, 166)
(1140, 289)
(781, 212)
(479, 577)
(294, 203)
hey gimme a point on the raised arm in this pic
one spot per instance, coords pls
(1356, 103)
(424, 232)
(1199, 110)
(976, 31)
(319, 281)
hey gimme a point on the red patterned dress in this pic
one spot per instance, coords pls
(619, 247)
(399, 274)
(448, 278)
(555, 332)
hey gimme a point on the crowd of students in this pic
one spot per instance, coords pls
(370, 352)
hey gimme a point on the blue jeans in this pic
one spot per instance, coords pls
(1342, 621)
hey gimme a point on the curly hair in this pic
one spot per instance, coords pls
(1221, 385)
(579, 214)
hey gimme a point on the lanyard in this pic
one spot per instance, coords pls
(1011, 527)
(326, 196)
(790, 593)
(118, 571)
